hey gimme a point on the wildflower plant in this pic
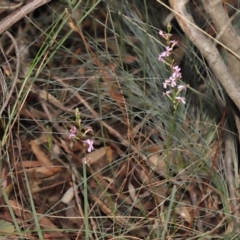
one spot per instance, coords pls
(173, 89)
(80, 134)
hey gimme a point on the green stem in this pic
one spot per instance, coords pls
(169, 140)
(85, 193)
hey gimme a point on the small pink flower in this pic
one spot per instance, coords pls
(177, 68)
(167, 93)
(166, 83)
(173, 83)
(181, 87)
(168, 51)
(165, 54)
(174, 43)
(164, 35)
(181, 99)
(89, 143)
(172, 80)
(161, 58)
(73, 132)
(161, 33)
(177, 72)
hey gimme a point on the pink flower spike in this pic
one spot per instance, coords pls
(181, 99)
(73, 132)
(90, 145)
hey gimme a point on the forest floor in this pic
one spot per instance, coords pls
(92, 145)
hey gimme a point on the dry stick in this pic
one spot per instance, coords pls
(222, 24)
(8, 96)
(20, 13)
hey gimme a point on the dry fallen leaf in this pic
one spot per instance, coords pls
(157, 164)
(47, 168)
(68, 196)
(41, 156)
(143, 176)
(43, 172)
(72, 214)
(100, 158)
(183, 210)
(56, 151)
(96, 155)
(132, 192)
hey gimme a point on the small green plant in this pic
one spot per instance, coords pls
(173, 89)
(79, 134)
